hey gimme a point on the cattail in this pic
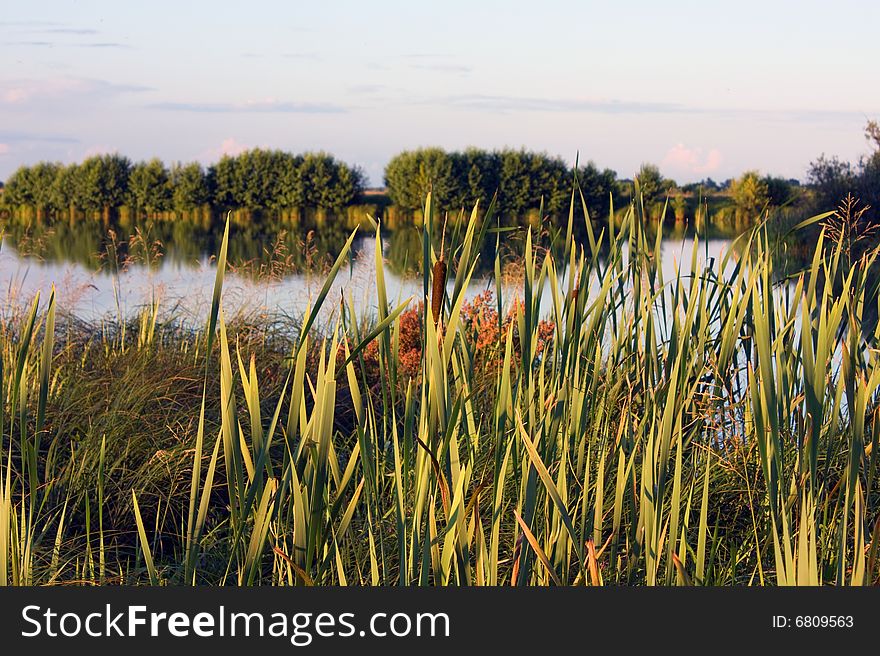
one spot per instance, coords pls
(439, 288)
(439, 280)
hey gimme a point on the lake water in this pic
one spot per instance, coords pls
(182, 278)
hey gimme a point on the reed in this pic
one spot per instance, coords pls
(717, 426)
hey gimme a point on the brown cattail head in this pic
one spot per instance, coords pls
(439, 288)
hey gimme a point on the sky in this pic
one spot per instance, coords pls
(703, 89)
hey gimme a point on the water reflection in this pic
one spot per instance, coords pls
(106, 270)
(93, 244)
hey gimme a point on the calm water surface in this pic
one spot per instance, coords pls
(182, 277)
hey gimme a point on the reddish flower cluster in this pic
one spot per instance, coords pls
(479, 318)
(409, 356)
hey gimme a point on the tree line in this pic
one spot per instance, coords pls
(276, 181)
(520, 178)
(257, 179)
(832, 178)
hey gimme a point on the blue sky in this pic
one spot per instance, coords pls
(700, 88)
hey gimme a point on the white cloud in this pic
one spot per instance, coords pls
(229, 146)
(4, 149)
(267, 106)
(14, 95)
(24, 92)
(681, 159)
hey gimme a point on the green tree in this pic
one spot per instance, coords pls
(411, 174)
(31, 186)
(286, 190)
(19, 188)
(869, 179)
(102, 183)
(598, 187)
(872, 134)
(349, 183)
(750, 194)
(224, 181)
(64, 190)
(42, 179)
(679, 204)
(252, 181)
(550, 180)
(831, 180)
(652, 184)
(149, 187)
(779, 190)
(18, 191)
(520, 178)
(317, 177)
(189, 185)
(869, 182)
(274, 180)
(514, 183)
(341, 184)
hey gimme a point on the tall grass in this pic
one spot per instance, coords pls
(715, 428)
